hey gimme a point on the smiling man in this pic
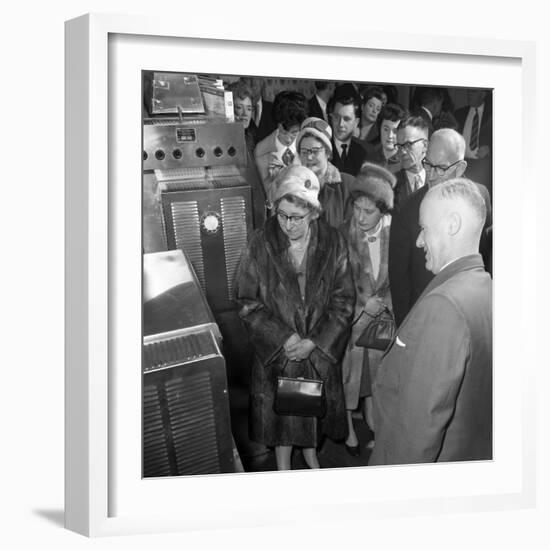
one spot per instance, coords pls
(433, 393)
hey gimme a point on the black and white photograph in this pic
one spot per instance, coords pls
(317, 285)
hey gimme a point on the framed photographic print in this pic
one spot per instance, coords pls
(164, 190)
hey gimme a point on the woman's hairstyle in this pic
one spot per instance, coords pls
(289, 109)
(393, 112)
(373, 91)
(241, 90)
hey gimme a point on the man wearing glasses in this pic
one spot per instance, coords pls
(406, 263)
(412, 144)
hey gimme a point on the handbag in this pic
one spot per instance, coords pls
(379, 332)
(300, 396)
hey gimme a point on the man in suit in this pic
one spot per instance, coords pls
(412, 144)
(262, 121)
(348, 154)
(433, 394)
(429, 102)
(475, 123)
(317, 105)
(408, 274)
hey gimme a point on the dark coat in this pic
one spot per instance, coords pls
(402, 189)
(407, 263)
(355, 157)
(315, 109)
(433, 393)
(334, 196)
(271, 308)
(480, 170)
(375, 154)
(267, 124)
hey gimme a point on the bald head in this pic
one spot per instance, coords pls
(452, 215)
(445, 156)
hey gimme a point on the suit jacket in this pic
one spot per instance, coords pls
(355, 157)
(480, 170)
(402, 189)
(267, 124)
(433, 393)
(263, 155)
(407, 263)
(314, 109)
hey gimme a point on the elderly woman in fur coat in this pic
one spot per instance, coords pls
(296, 295)
(367, 232)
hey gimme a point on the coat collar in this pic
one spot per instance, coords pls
(318, 257)
(466, 263)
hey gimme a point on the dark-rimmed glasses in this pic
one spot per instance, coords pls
(314, 151)
(292, 219)
(408, 145)
(439, 170)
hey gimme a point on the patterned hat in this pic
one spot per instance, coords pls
(376, 183)
(318, 128)
(298, 181)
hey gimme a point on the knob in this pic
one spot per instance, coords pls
(218, 152)
(145, 155)
(159, 154)
(200, 152)
(232, 151)
(177, 154)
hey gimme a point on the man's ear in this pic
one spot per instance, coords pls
(461, 168)
(454, 223)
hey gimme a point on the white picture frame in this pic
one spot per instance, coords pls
(103, 494)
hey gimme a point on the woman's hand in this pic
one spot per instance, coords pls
(300, 350)
(374, 306)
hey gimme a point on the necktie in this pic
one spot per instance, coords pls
(475, 132)
(417, 182)
(288, 157)
(344, 152)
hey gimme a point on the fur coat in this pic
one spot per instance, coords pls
(272, 309)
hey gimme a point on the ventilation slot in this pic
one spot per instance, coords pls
(185, 216)
(155, 453)
(234, 236)
(192, 422)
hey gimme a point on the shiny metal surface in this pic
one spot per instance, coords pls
(187, 145)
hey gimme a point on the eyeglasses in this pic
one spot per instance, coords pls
(439, 170)
(314, 151)
(292, 219)
(408, 145)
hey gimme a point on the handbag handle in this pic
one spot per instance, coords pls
(287, 361)
(385, 309)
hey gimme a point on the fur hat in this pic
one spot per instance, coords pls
(376, 183)
(298, 181)
(318, 128)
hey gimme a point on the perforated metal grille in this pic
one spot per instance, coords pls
(174, 351)
(185, 217)
(192, 423)
(234, 235)
(155, 450)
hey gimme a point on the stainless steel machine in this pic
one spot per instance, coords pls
(186, 421)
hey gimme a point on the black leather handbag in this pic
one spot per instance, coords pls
(300, 396)
(379, 332)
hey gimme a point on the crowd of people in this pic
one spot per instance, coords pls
(373, 207)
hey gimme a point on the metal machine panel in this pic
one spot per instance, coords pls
(186, 421)
(223, 219)
(193, 144)
(187, 427)
(175, 93)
